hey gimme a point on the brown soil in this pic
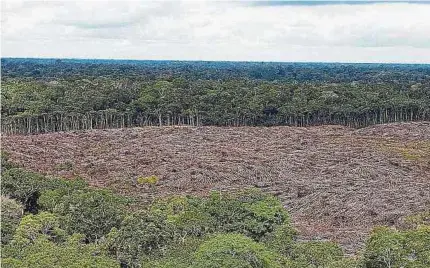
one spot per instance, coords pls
(337, 182)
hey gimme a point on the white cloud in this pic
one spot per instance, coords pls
(383, 32)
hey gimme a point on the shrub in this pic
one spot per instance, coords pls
(235, 251)
(140, 235)
(91, 212)
(33, 227)
(249, 212)
(176, 255)
(52, 197)
(24, 186)
(282, 239)
(417, 245)
(11, 213)
(51, 200)
(345, 263)
(173, 221)
(151, 180)
(316, 253)
(388, 247)
(414, 221)
(5, 161)
(44, 253)
(187, 215)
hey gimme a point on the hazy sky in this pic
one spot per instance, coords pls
(205, 30)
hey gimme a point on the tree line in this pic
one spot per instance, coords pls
(86, 95)
(108, 119)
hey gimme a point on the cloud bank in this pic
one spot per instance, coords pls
(202, 30)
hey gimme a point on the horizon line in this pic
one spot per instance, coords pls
(238, 61)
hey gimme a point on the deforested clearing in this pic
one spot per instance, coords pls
(336, 182)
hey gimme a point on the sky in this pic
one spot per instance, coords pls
(304, 31)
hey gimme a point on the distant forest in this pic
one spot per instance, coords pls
(48, 95)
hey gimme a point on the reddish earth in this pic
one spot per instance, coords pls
(337, 182)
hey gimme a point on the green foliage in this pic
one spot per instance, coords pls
(175, 256)
(390, 248)
(174, 221)
(316, 254)
(250, 212)
(345, 263)
(82, 210)
(235, 251)
(52, 198)
(68, 185)
(24, 186)
(43, 253)
(188, 215)
(113, 94)
(11, 213)
(282, 239)
(33, 227)
(140, 235)
(385, 249)
(90, 212)
(413, 221)
(417, 244)
(5, 161)
(40, 242)
(239, 229)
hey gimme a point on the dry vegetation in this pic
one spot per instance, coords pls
(337, 182)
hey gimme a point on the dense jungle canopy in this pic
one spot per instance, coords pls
(45, 95)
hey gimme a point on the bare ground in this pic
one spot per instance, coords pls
(336, 182)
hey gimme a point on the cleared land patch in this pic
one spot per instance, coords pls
(337, 182)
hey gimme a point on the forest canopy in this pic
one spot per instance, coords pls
(45, 95)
